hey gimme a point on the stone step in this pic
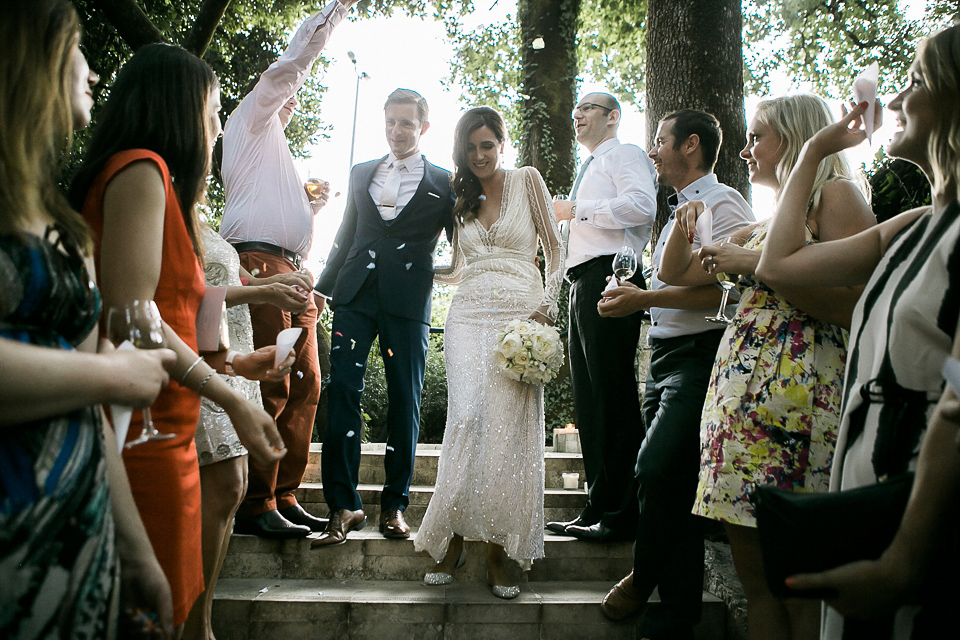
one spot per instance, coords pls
(425, 466)
(558, 504)
(367, 554)
(266, 609)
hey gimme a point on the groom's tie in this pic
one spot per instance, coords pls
(391, 189)
(565, 225)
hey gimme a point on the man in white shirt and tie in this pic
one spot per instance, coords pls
(268, 218)
(379, 280)
(612, 204)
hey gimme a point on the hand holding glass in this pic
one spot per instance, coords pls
(138, 322)
(727, 283)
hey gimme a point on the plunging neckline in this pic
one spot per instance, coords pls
(503, 199)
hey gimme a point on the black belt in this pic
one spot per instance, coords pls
(266, 247)
(576, 272)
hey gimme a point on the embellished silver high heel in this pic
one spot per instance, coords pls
(440, 578)
(507, 593)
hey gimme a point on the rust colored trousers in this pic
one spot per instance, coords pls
(293, 402)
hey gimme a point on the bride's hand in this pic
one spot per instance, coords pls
(541, 317)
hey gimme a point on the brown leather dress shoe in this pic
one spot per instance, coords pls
(392, 524)
(342, 522)
(623, 600)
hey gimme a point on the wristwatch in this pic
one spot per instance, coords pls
(228, 363)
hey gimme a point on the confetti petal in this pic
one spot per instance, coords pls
(402, 245)
(373, 254)
(335, 348)
(359, 364)
(389, 448)
(390, 352)
(349, 434)
(300, 374)
(408, 265)
(336, 246)
(371, 266)
(353, 344)
(337, 333)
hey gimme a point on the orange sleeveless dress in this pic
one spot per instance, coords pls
(164, 474)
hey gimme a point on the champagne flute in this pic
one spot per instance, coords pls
(139, 323)
(728, 284)
(625, 263)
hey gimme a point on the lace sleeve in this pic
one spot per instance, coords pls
(546, 224)
(451, 274)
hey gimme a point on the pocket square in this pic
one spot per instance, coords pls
(431, 193)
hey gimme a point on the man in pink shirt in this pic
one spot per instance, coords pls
(268, 218)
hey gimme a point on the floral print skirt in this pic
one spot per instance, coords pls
(772, 409)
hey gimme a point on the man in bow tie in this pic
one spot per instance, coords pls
(379, 280)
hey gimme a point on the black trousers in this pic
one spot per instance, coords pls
(602, 365)
(668, 552)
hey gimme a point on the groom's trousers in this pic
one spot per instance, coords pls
(403, 346)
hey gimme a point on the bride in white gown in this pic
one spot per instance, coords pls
(491, 477)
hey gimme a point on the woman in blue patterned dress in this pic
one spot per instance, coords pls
(70, 536)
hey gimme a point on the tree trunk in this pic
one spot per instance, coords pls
(549, 84)
(201, 33)
(695, 61)
(131, 23)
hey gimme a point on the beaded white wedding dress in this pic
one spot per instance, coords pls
(491, 476)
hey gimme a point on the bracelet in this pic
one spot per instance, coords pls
(542, 314)
(183, 378)
(205, 381)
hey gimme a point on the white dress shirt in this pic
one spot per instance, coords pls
(266, 201)
(730, 213)
(410, 179)
(616, 203)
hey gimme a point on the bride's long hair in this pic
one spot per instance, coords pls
(466, 186)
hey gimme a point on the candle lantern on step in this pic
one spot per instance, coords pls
(566, 439)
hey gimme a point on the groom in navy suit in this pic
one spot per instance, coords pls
(379, 280)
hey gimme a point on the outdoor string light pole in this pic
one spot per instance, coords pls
(356, 99)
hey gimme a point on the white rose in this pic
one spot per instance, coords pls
(511, 345)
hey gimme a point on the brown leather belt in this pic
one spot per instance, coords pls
(266, 247)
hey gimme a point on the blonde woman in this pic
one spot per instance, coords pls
(772, 408)
(902, 332)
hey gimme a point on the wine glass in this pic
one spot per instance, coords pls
(315, 187)
(625, 263)
(139, 323)
(727, 283)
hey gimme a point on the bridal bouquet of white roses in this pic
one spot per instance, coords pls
(529, 351)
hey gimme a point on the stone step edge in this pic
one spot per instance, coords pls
(430, 450)
(552, 491)
(301, 591)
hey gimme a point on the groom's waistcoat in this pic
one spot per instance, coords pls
(399, 253)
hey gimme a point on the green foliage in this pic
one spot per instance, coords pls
(828, 42)
(613, 44)
(897, 186)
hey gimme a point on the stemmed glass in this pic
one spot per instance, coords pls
(625, 263)
(728, 284)
(139, 323)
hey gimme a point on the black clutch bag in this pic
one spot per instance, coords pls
(813, 532)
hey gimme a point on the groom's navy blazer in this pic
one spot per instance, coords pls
(400, 251)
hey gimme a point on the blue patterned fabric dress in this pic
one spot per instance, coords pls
(58, 568)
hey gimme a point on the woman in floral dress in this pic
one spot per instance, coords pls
(772, 409)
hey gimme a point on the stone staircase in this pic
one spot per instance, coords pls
(370, 587)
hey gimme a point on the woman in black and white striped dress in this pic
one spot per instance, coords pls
(907, 317)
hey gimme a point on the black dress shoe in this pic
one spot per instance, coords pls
(561, 527)
(298, 515)
(269, 524)
(597, 533)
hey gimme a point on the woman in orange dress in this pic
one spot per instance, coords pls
(143, 173)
